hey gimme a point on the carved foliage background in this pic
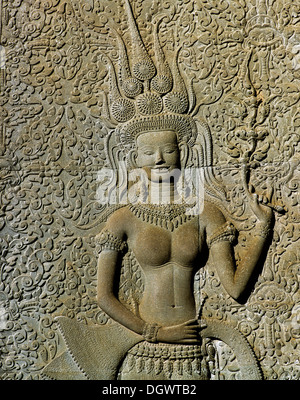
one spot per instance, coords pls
(242, 60)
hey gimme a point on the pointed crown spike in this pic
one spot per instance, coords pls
(163, 81)
(144, 69)
(121, 109)
(177, 100)
(130, 86)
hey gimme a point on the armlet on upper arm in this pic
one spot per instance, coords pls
(226, 232)
(108, 241)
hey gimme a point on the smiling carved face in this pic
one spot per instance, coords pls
(158, 154)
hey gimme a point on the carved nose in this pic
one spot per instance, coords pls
(159, 158)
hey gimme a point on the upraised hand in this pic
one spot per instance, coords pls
(260, 204)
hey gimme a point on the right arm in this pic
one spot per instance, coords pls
(111, 241)
(106, 297)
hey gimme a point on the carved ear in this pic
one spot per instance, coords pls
(131, 159)
(184, 154)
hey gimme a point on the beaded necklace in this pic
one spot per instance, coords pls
(168, 216)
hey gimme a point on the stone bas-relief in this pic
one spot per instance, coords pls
(148, 286)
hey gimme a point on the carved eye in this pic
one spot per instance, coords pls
(170, 151)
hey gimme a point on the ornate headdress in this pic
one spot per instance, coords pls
(147, 97)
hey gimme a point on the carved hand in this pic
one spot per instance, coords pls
(260, 204)
(187, 332)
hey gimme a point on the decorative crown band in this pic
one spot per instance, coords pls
(184, 126)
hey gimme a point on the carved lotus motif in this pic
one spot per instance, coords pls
(149, 103)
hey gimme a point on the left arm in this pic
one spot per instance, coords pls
(235, 278)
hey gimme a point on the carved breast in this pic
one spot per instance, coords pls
(155, 246)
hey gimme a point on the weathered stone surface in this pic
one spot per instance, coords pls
(82, 84)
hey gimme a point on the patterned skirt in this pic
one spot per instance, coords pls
(164, 361)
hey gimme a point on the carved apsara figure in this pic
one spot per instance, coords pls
(170, 254)
(168, 243)
(150, 106)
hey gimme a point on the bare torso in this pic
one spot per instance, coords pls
(168, 261)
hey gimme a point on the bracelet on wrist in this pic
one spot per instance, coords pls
(150, 332)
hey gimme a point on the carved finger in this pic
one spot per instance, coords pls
(251, 189)
(191, 322)
(255, 199)
(192, 335)
(260, 198)
(193, 331)
(270, 192)
(191, 327)
(265, 200)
